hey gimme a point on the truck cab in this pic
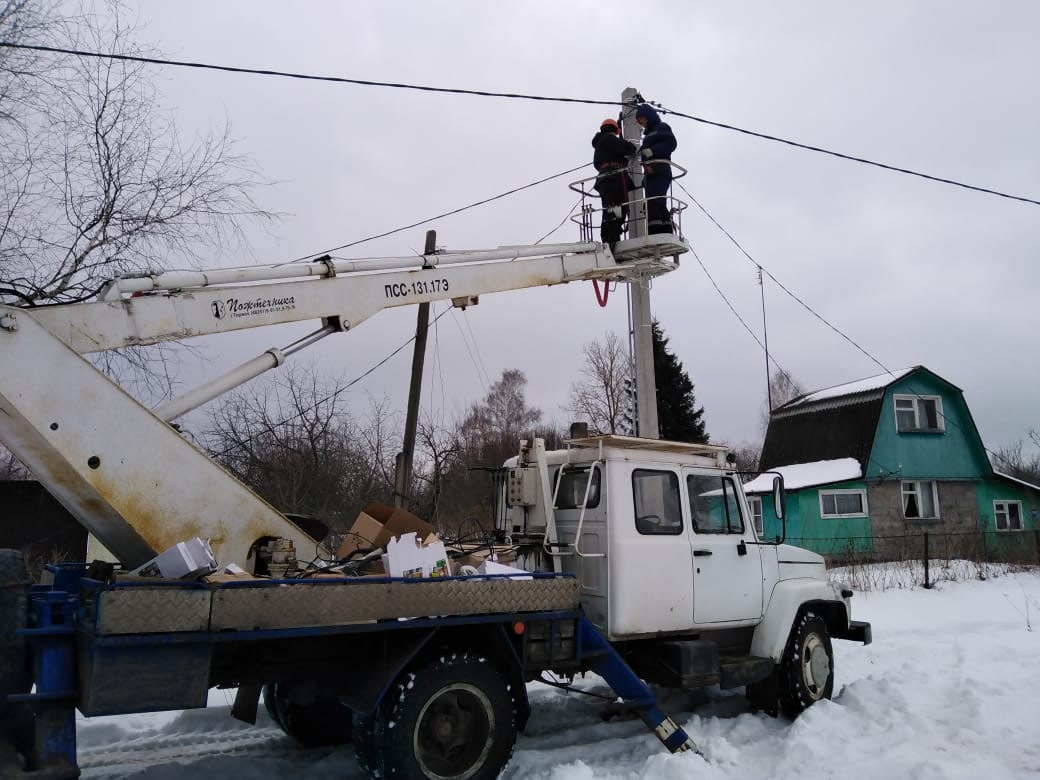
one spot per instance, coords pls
(671, 570)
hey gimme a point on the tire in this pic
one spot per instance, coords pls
(364, 736)
(15, 674)
(452, 719)
(309, 714)
(806, 673)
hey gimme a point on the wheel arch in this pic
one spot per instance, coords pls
(787, 601)
(493, 641)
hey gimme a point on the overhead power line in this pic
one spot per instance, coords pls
(448, 214)
(851, 158)
(302, 76)
(514, 95)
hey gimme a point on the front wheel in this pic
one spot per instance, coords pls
(452, 718)
(807, 669)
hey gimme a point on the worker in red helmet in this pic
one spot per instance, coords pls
(612, 180)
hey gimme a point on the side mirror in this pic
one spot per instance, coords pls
(779, 499)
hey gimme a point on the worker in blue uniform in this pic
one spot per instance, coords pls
(658, 144)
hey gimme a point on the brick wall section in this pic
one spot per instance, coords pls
(958, 513)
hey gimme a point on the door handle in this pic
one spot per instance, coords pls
(701, 553)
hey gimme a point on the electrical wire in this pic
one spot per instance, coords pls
(735, 313)
(853, 158)
(302, 76)
(779, 284)
(331, 396)
(519, 96)
(445, 214)
(821, 318)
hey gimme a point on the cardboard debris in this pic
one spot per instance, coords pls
(377, 524)
(230, 573)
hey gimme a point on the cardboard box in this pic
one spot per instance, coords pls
(378, 524)
(184, 559)
(230, 573)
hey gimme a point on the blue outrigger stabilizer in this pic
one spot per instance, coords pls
(101, 647)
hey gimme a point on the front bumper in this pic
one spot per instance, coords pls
(858, 631)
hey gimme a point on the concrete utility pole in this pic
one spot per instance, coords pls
(403, 464)
(639, 291)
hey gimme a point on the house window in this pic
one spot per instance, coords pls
(919, 413)
(843, 503)
(656, 501)
(1008, 515)
(920, 500)
(755, 505)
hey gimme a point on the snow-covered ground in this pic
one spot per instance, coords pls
(950, 689)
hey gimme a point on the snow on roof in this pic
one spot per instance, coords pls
(852, 388)
(799, 475)
(1007, 476)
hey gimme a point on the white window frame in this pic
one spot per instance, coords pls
(843, 492)
(1001, 507)
(917, 483)
(915, 403)
(755, 507)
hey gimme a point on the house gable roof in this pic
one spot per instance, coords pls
(834, 422)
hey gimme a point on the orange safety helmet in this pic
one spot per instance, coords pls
(611, 123)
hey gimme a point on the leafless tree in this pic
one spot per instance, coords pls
(488, 434)
(1015, 461)
(95, 179)
(782, 388)
(600, 396)
(11, 468)
(294, 441)
(747, 456)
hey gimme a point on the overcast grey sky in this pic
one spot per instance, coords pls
(914, 271)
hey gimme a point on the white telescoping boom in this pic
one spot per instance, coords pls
(129, 476)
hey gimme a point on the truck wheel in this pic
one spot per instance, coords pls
(312, 716)
(807, 668)
(15, 676)
(364, 734)
(450, 719)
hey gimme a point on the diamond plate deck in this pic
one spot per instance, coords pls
(361, 601)
(144, 610)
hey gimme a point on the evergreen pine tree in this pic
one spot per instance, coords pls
(678, 416)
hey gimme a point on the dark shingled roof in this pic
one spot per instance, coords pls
(828, 424)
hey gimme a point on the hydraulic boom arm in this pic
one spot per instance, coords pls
(129, 476)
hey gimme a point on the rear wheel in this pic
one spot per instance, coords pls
(308, 713)
(806, 672)
(452, 718)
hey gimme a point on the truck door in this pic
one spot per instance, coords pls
(727, 571)
(651, 574)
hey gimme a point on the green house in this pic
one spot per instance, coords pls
(871, 465)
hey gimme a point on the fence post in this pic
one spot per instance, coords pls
(927, 583)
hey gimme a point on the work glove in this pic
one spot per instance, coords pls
(647, 153)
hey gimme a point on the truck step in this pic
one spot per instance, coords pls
(734, 672)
